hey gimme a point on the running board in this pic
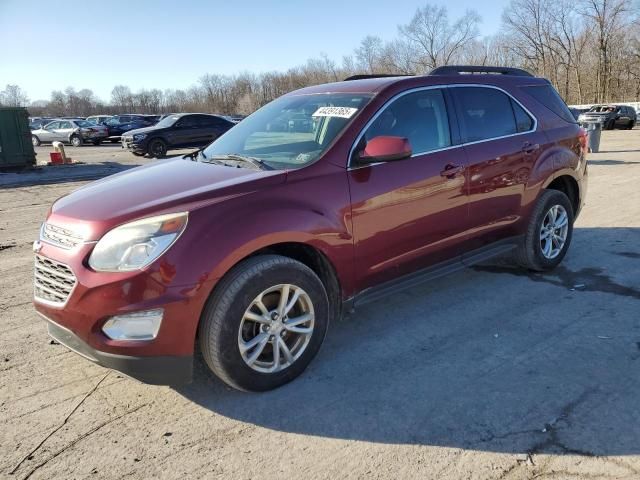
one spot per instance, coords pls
(431, 273)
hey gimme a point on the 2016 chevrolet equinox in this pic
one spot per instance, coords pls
(251, 246)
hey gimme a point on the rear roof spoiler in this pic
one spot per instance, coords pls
(470, 69)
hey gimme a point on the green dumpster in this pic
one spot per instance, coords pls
(16, 149)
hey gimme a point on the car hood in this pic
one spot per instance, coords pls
(175, 184)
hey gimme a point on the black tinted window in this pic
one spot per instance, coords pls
(205, 121)
(547, 96)
(484, 113)
(188, 121)
(524, 122)
(420, 117)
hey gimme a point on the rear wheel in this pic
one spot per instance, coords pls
(549, 232)
(610, 125)
(631, 125)
(76, 141)
(35, 141)
(264, 323)
(157, 148)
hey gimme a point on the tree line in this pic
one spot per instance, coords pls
(588, 49)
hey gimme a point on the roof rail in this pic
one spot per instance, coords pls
(462, 69)
(375, 75)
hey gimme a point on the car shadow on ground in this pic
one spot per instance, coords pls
(51, 174)
(610, 162)
(492, 358)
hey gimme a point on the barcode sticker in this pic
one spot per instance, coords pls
(342, 112)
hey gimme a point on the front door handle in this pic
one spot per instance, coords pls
(451, 170)
(529, 147)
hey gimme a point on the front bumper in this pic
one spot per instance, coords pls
(76, 314)
(161, 370)
(129, 144)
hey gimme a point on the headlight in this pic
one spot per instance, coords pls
(135, 245)
(139, 136)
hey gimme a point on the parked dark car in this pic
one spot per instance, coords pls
(252, 246)
(610, 116)
(176, 131)
(119, 124)
(39, 122)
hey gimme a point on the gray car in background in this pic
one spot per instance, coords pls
(75, 132)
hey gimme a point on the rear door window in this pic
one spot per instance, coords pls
(421, 117)
(484, 113)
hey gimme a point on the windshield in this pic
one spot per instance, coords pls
(168, 121)
(292, 131)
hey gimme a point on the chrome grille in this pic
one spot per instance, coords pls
(59, 236)
(53, 281)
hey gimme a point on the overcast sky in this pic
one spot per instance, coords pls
(50, 45)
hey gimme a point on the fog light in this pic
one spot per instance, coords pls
(134, 326)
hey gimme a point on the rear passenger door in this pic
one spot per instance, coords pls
(501, 144)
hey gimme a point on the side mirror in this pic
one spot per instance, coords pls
(385, 149)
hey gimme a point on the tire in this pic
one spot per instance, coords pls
(532, 253)
(611, 124)
(157, 148)
(632, 124)
(138, 154)
(224, 325)
(35, 141)
(76, 141)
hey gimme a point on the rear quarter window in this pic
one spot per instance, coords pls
(549, 97)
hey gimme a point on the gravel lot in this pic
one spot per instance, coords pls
(490, 373)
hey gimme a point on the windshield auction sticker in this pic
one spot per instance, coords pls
(342, 112)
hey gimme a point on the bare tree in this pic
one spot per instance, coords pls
(438, 42)
(13, 96)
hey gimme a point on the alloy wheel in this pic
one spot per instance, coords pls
(553, 231)
(276, 328)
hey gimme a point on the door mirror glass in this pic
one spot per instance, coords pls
(385, 149)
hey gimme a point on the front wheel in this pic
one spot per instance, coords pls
(35, 141)
(610, 125)
(549, 232)
(264, 323)
(76, 141)
(157, 148)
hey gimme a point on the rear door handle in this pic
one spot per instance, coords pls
(451, 170)
(529, 147)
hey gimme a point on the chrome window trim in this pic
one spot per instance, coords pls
(463, 144)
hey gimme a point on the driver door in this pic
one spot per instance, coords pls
(48, 132)
(413, 213)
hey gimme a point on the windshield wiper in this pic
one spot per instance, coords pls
(256, 162)
(195, 154)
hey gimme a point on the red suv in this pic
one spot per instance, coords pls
(251, 246)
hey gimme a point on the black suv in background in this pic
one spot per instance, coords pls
(610, 116)
(119, 124)
(176, 131)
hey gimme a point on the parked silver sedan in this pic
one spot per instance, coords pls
(75, 132)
